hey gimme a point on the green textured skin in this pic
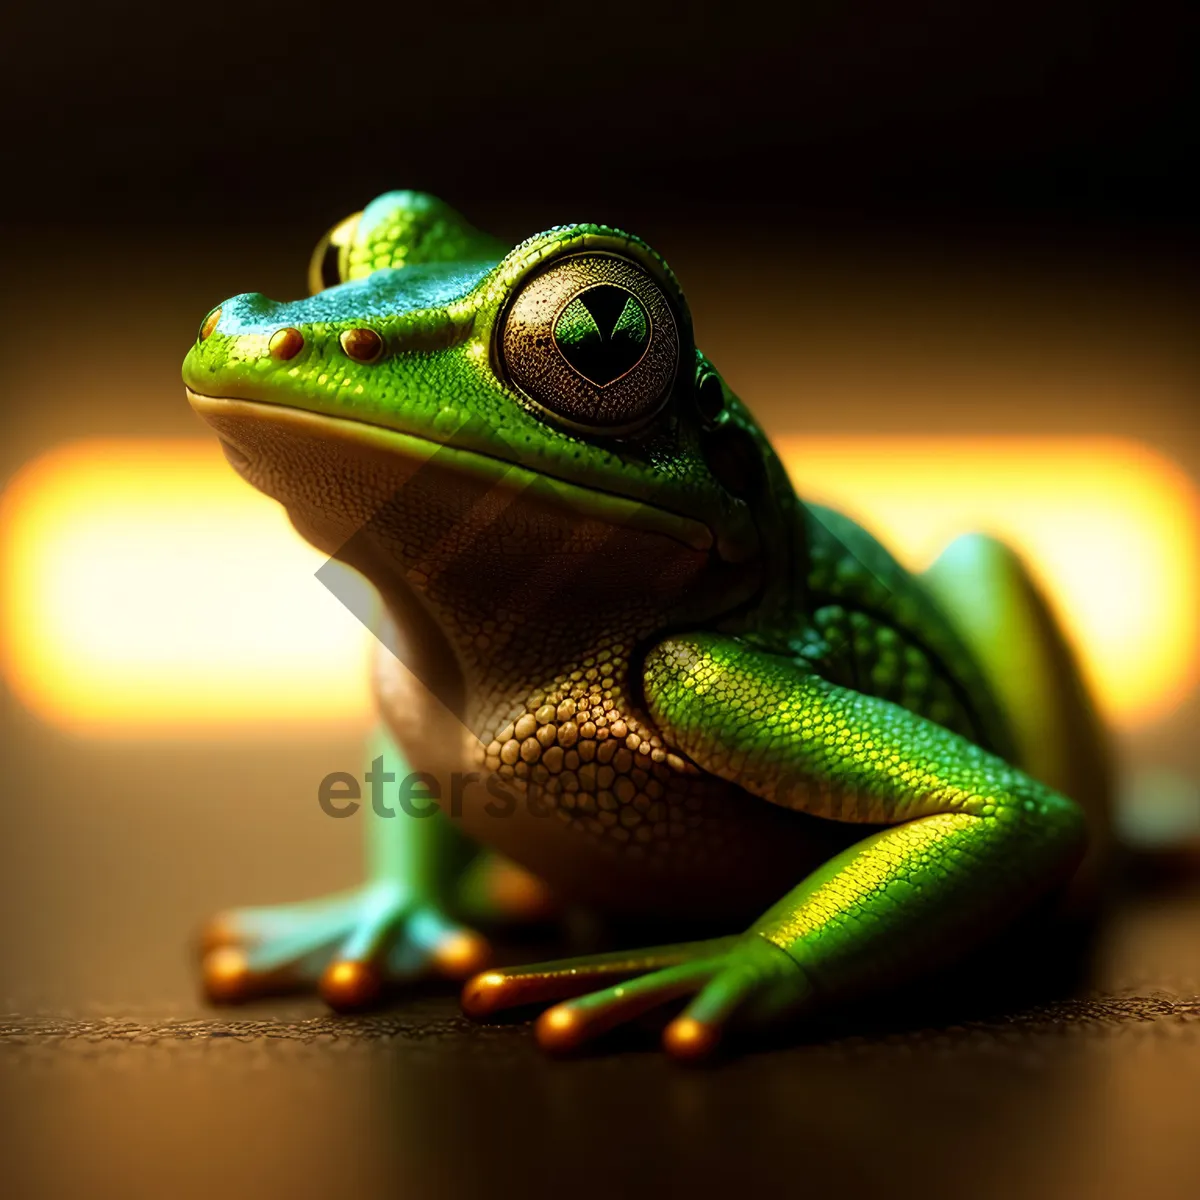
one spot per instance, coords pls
(709, 738)
(970, 830)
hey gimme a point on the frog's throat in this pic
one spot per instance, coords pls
(226, 413)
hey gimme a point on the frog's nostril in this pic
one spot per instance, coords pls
(209, 323)
(285, 343)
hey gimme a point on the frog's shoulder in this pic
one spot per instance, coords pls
(867, 612)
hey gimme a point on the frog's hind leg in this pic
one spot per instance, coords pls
(990, 595)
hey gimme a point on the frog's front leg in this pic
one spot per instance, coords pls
(970, 842)
(406, 921)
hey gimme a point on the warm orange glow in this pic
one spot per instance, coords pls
(148, 590)
(1111, 528)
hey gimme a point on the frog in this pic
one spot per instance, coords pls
(631, 668)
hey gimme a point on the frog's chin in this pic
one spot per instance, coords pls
(335, 476)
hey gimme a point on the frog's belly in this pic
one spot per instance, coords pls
(573, 785)
(708, 851)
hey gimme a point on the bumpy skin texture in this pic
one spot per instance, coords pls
(689, 693)
(963, 819)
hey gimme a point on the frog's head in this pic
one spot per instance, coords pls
(469, 407)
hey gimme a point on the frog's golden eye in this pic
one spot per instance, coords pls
(209, 324)
(593, 340)
(327, 267)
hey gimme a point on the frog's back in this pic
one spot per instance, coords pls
(868, 623)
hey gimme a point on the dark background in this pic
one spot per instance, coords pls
(876, 203)
(1065, 120)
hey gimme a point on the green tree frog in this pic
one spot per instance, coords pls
(666, 686)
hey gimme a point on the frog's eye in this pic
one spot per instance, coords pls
(327, 266)
(593, 340)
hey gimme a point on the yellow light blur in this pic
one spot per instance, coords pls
(147, 590)
(1110, 528)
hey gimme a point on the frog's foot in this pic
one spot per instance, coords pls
(742, 979)
(350, 947)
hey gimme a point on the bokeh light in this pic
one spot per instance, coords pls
(149, 591)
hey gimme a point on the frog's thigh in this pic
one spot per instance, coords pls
(989, 593)
(1000, 611)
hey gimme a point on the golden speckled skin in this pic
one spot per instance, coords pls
(685, 843)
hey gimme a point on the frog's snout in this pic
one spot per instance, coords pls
(232, 316)
(235, 335)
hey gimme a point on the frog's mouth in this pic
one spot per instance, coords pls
(347, 470)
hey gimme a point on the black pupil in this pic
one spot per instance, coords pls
(603, 332)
